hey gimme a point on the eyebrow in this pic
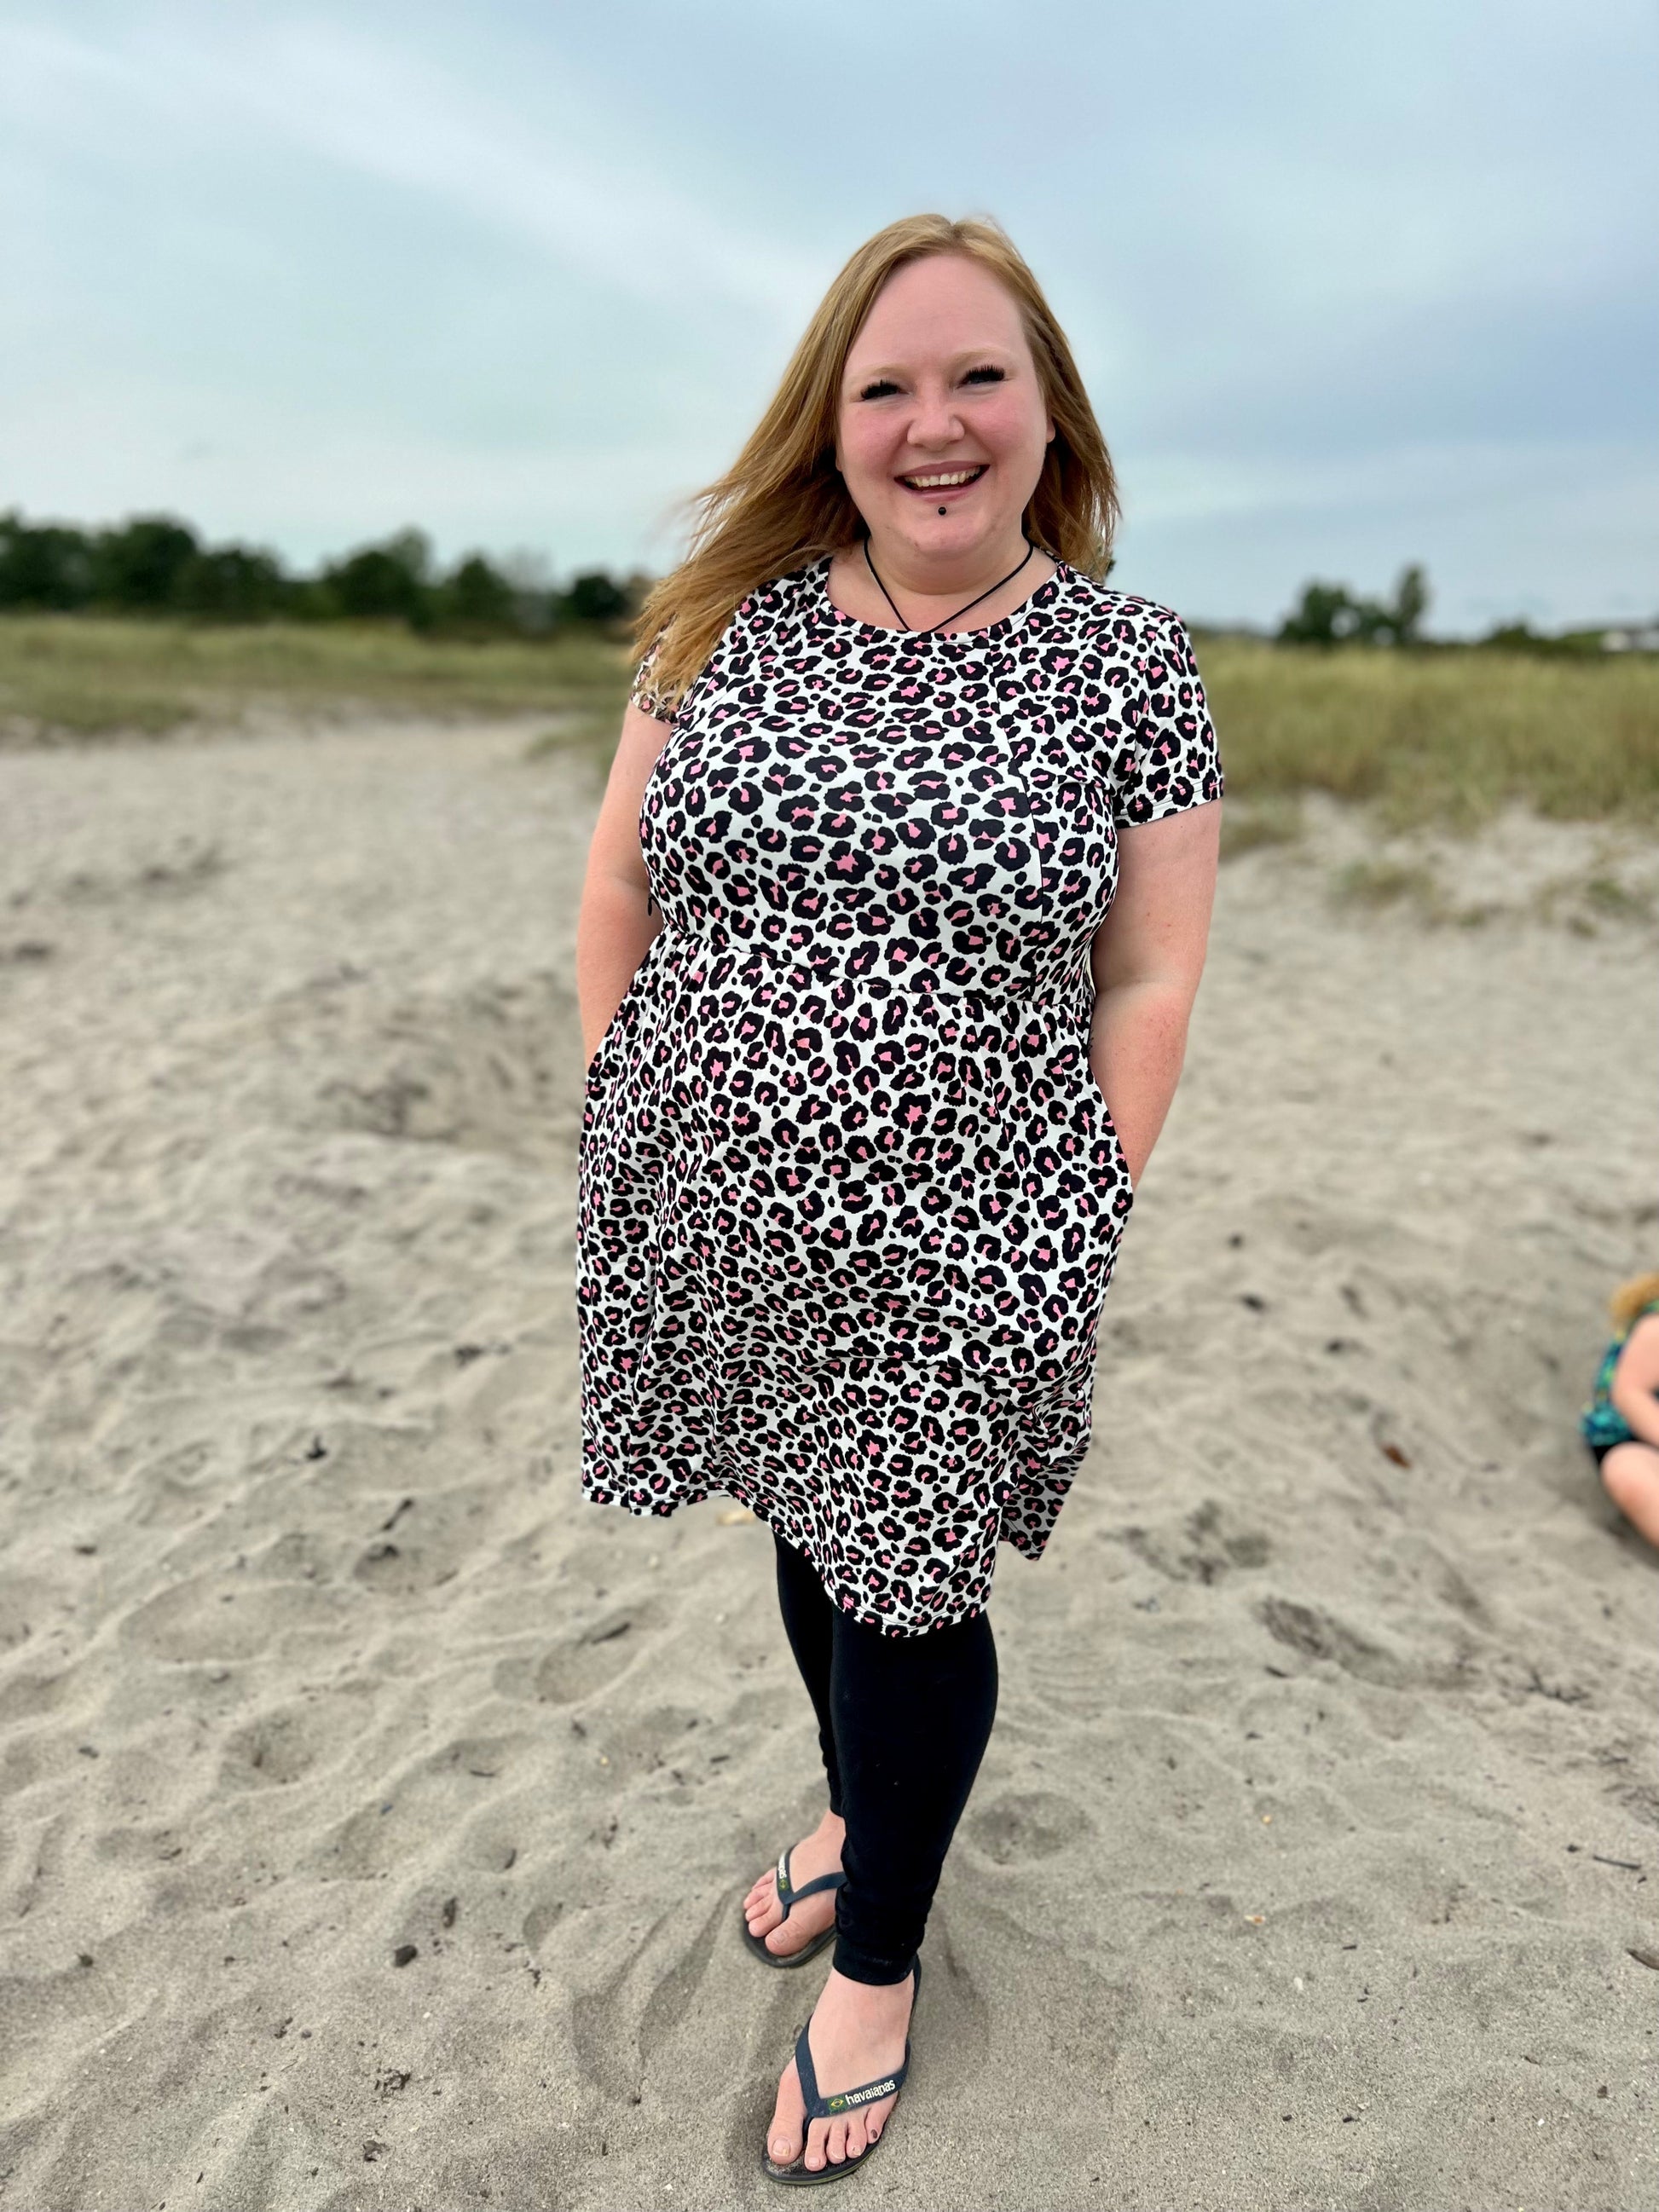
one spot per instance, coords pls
(974, 354)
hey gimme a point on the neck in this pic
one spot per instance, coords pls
(915, 573)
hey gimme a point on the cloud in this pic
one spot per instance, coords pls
(120, 445)
(590, 196)
(1348, 289)
(1425, 478)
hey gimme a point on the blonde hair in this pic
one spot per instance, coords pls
(1629, 1299)
(782, 500)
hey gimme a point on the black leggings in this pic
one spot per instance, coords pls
(902, 1722)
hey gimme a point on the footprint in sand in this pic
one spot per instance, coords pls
(289, 1741)
(570, 1671)
(436, 1796)
(540, 1922)
(28, 1697)
(364, 1458)
(1319, 1635)
(1035, 1825)
(225, 1617)
(1208, 1546)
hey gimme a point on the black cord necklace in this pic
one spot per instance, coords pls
(931, 627)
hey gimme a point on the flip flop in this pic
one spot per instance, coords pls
(789, 1897)
(800, 2175)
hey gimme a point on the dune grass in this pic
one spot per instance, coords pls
(1441, 737)
(68, 677)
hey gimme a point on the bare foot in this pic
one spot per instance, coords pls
(818, 1853)
(858, 2036)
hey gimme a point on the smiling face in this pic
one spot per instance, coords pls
(941, 409)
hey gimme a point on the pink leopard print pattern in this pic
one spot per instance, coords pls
(849, 1196)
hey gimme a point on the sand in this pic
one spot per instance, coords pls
(1315, 1842)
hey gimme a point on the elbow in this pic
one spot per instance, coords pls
(1158, 1002)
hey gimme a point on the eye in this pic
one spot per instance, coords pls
(987, 372)
(881, 389)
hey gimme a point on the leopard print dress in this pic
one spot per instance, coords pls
(849, 1195)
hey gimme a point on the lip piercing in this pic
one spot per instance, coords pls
(941, 510)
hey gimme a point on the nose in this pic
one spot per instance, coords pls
(936, 421)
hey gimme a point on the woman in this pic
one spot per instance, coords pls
(856, 989)
(1620, 1424)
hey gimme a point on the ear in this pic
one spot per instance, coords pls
(1049, 438)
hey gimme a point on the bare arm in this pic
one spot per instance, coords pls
(1636, 1377)
(1147, 957)
(614, 924)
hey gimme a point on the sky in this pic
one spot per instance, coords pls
(1349, 286)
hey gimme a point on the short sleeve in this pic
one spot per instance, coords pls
(643, 693)
(1168, 758)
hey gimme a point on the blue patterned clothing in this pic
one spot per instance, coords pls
(1603, 1424)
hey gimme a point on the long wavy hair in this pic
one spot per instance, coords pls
(1631, 1298)
(783, 501)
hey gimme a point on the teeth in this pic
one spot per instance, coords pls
(939, 484)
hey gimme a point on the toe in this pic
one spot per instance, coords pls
(855, 2135)
(783, 2138)
(818, 2137)
(835, 2144)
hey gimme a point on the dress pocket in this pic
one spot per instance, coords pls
(598, 1066)
(596, 1077)
(612, 1044)
(1108, 1127)
(962, 1071)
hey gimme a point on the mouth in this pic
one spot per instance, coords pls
(943, 483)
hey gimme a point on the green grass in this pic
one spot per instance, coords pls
(1248, 823)
(69, 677)
(1606, 895)
(1444, 737)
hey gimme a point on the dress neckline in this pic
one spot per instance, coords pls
(829, 614)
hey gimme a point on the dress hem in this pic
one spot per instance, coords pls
(1023, 1544)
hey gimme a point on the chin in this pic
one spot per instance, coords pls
(958, 531)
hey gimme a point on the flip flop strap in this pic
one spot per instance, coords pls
(847, 2100)
(819, 2107)
(788, 1896)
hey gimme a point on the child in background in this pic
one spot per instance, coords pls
(1621, 1422)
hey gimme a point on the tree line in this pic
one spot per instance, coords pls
(155, 564)
(1331, 615)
